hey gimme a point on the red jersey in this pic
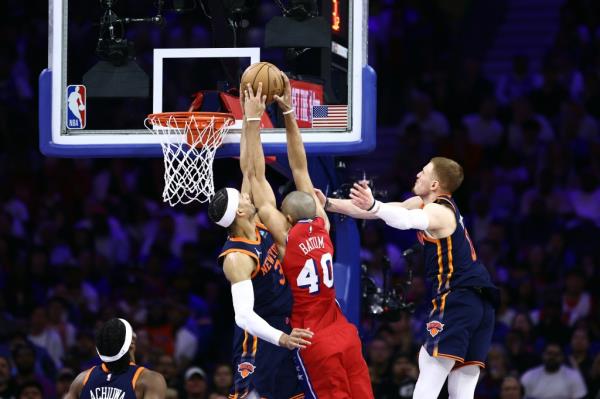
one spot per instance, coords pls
(308, 267)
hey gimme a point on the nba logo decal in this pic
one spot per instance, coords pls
(76, 107)
(245, 369)
(435, 327)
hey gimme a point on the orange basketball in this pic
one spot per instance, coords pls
(268, 74)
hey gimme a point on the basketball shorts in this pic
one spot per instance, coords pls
(333, 367)
(260, 366)
(460, 326)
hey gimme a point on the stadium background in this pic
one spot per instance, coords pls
(84, 240)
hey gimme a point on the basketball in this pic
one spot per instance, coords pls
(268, 74)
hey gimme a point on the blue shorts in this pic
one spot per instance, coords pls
(460, 326)
(264, 367)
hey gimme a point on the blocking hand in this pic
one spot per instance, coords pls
(297, 339)
(361, 195)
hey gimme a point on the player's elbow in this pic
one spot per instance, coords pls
(242, 320)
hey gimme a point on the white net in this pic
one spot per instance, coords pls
(189, 145)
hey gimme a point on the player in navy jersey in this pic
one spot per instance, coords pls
(262, 301)
(463, 298)
(333, 366)
(118, 376)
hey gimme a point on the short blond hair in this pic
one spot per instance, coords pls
(449, 173)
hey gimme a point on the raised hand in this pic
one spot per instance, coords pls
(254, 104)
(297, 339)
(285, 101)
(361, 196)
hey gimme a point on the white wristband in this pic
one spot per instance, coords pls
(288, 112)
(253, 119)
(245, 316)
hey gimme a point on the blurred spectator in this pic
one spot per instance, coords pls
(167, 367)
(24, 358)
(484, 129)
(527, 129)
(580, 358)
(379, 355)
(31, 389)
(7, 384)
(576, 301)
(63, 381)
(195, 384)
(519, 82)
(45, 336)
(552, 379)
(433, 124)
(222, 379)
(403, 379)
(511, 388)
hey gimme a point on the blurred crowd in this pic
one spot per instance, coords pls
(82, 241)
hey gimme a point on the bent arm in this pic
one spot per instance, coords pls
(238, 269)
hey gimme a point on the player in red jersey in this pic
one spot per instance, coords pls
(332, 365)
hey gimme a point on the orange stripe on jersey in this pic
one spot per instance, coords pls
(443, 304)
(262, 226)
(87, 375)
(105, 369)
(245, 344)
(136, 376)
(447, 200)
(434, 307)
(427, 238)
(450, 264)
(250, 254)
(254, 346)
(440, 264)
(247, 241)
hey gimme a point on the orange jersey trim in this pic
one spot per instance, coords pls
(443, 303)
(87, 375)
(245, 344)
(105, 369)
(469, 363)
(136, 376)
(450, 264)
(254, 346)
(440, 264)
(247, 241)
(457, 358)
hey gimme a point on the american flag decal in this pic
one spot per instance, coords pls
(330, 116)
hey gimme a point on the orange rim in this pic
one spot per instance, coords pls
(181, 120)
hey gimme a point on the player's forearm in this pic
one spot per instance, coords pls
(245, 316)
(400, 217)
(345, 207)
(255, 150)
(295, 146)
(244, 156)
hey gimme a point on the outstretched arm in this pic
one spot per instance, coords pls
(433, 217)
(155, 386)
(346, 207)
(262, 192)
(295, 148)
(244, 158)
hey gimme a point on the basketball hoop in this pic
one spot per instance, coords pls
(189, 141)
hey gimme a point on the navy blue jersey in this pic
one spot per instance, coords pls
(451, 262)
(272, 296)
(101, 383)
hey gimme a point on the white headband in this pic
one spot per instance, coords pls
(233, 200)
(124, 348)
